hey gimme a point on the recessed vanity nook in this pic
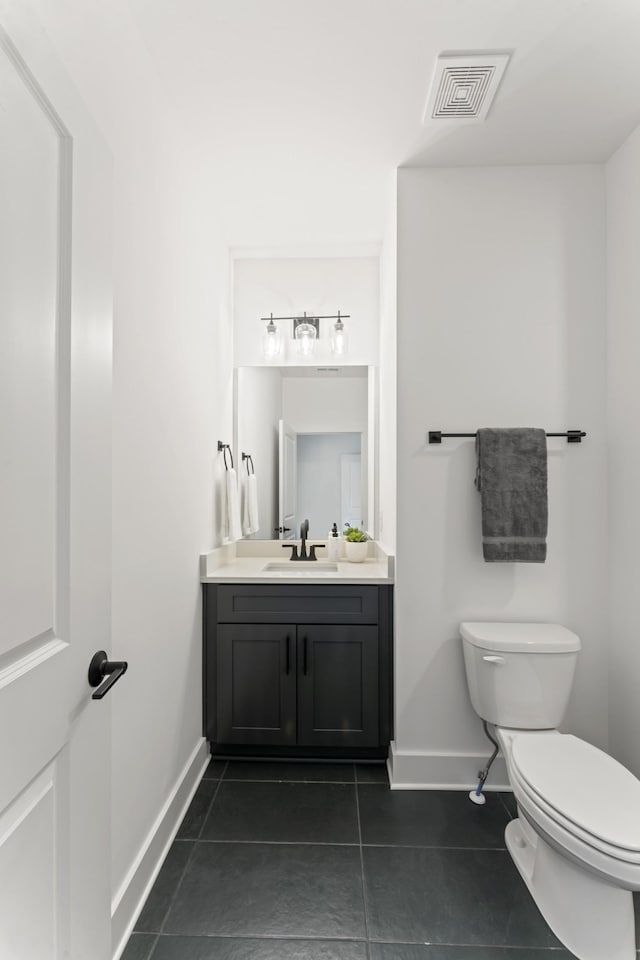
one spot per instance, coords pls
(297, 640)
(297, 656)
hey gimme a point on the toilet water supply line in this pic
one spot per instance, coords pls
(477, 795)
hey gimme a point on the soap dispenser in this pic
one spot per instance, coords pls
(334, 546)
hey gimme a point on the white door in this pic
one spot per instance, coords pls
(351, 489)
(55, 508)
(287, 481)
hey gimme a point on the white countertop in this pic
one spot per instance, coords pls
(244, 562)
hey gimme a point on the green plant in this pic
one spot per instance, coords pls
(354, 535)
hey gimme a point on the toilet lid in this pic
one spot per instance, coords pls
(586, 786)
(520, 637)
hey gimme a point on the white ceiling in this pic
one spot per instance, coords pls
(298, 111)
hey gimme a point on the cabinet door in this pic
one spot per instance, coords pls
(256, 684)
(338, 686)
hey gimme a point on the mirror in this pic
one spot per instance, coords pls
(309, 432)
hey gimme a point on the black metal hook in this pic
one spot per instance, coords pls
(249, 459)
(224, 447)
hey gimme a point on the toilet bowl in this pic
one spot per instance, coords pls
(576, 849)
(576, 840)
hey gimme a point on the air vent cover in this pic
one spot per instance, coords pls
(464, 85)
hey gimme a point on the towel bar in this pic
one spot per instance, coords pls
(224, 447)
(573, 436)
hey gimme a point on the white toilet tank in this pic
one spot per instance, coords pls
(520, 674)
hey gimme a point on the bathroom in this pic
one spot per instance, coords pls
(507, 296)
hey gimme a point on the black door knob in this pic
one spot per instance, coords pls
(100, 668)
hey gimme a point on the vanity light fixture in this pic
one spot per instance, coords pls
(306, 331)
(271, 341)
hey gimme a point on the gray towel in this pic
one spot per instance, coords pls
(512, 479)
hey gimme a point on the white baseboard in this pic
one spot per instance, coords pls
(412, 770)
(136, 886)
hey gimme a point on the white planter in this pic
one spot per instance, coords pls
(356, 552)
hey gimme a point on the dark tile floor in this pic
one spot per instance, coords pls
(285, 861)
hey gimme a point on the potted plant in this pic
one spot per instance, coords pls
(356, 546)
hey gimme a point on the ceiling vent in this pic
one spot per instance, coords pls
(464, 85)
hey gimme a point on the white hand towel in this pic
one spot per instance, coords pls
(250, 521)
(234, 530)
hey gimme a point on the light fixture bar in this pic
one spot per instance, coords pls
(301, 319)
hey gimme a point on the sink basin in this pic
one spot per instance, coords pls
(300, 566)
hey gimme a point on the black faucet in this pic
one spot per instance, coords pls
(304, 533)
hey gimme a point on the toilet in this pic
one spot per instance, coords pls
(576, 840)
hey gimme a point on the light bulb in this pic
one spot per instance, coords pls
(305, 335)
(338, 338)
(272, 341)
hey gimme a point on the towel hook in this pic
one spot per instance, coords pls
(249, 458)
(224, 447)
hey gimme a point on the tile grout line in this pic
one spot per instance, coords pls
(320, 938)
(153, 946)
(473, 946)
(345, 783)
(364, 899)
(289, 938)
(341, 843)
(504, 804)
(364, 895)
(190, 857)
(215, 794)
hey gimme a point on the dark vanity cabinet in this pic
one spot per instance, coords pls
(297, 670)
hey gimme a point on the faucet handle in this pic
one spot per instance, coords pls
(294, 550)
(312, 550)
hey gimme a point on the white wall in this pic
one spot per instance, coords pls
(259, 407)
(623, 352)
(501, 300)
(287, 286)
(171, 402)
(325, 404)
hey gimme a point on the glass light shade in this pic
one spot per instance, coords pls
(271, 341)
(305, 336)
(339, 339)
